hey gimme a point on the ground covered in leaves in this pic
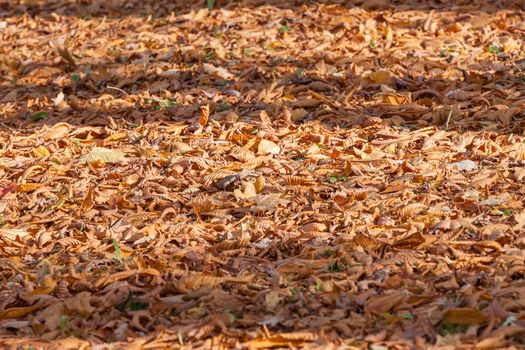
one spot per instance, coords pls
(312, 174)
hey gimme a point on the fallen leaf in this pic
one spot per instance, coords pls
(463, 316)
(218, 71)
(105, 155)
(268, 147)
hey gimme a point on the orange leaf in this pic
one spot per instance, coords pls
(48, 286)
(205, 114)
(18, 312)
(87, 203)
(381, 77)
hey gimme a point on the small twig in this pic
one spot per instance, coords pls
(448, 119)
(116, 88)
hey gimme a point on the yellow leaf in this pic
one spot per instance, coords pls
(28, 187)
(463, 316)
(259, 184)
(274, 45)
(41, 151)
(105, 155)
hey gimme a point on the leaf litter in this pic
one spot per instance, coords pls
(262, 174)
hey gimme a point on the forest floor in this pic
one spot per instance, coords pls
(264, 174)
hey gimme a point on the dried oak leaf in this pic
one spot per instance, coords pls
(385, 303)
(463, 316)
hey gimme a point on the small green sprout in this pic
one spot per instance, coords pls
(337, 266)
(117, 251)
(495, 49)
(284, 28)
(38, 116)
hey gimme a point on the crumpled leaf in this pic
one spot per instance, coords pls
(466, 165)
(268, 147)
(221, 72)
(249, 191)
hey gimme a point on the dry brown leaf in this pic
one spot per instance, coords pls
(19, 312)
(218, 71)
(48, 286)
(385, 302)
(249, 191)
(88, 201)
(267, 147)
(381, 77)
(463, 316)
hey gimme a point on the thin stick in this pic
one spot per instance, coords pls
(448, 119)
(116, 88)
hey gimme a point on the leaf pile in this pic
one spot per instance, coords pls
(258, 174)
